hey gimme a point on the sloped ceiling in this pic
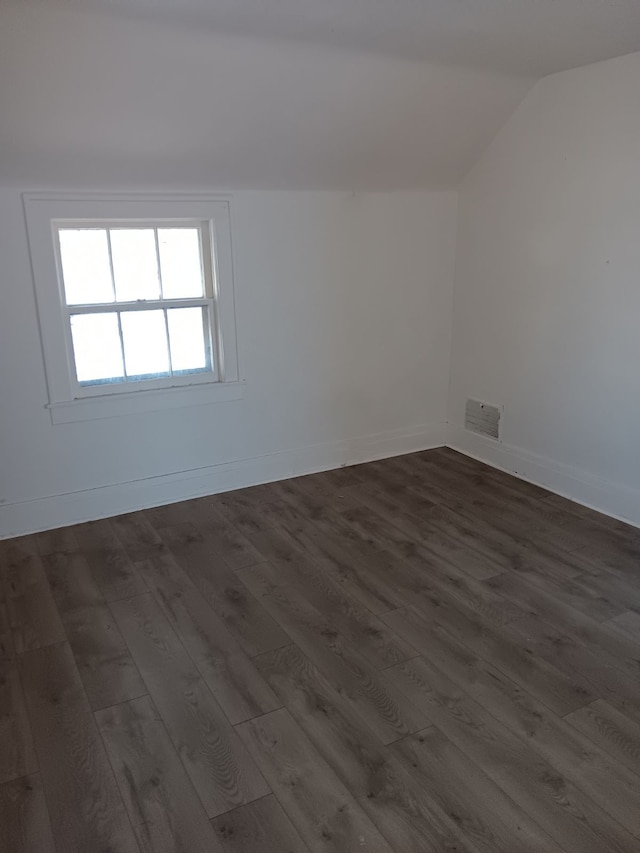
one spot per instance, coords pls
(349, 94)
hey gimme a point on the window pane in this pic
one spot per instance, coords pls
(135, 264)
(145, 344)
(180, 262)
(85, 265)
(187, 339)
(96, 348)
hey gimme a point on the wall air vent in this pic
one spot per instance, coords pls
(483, 419)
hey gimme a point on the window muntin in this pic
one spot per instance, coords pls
(139, 302)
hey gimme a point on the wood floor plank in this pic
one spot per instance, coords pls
(85, 807)
(222, 537)
(314, 502)
(591, 769)
(233, 679)
(259, 827)
(110, 565)
(60, 541)
(373, 568)
(387, 713)
(572, 819)
(24, 819)
(250, 624)
(7, 646)
(628, 623)
(579, 594)
(596, 651)
(107, 669)
(482, 810)
(505, 647)
(363, 573)
(420, 539)
(291, 568)
(33, 616)
(17, 753)
(578, 758)
(505, 508)
(615, 733)
(322, 809)
(137, 536)
(222, 772)
(475, 551)
(334, 480)
(244, 512)
(405, 814)
(390, 503)
(612, 592)
(72, 581)
(19, 565)
(163, 806)
(592, 516)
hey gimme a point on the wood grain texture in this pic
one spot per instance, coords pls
(24, 819)
(403, 812)
(110, 564)
(480, 808)
(324, 812)
(17, 753)
(259, 827)
(610, 729)
(417, 654)
(107, 669)
(628, 623)
(233, 679)
(32, 613)
(254, 629)
(86, 810)
(572, 819)
(7, 647)
(387, 712)
(162, 804)
(219, 767)
(289, 568)
(222, 537)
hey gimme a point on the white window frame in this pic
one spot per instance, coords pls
(68, 401)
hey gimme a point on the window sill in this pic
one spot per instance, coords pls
(115, 405)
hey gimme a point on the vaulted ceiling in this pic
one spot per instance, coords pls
(353, 94)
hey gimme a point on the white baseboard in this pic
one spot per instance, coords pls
(47, 513)
(614, 499)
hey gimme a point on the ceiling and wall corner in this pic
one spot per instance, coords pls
(279, 94)
(89, 98)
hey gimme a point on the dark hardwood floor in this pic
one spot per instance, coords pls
(418, 654)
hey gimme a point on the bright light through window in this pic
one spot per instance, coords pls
(139, 301)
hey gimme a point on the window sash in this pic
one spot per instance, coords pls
(130, 383)
(207, 259)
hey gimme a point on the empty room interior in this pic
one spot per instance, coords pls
(319, 426)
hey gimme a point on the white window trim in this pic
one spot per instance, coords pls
(65, 404)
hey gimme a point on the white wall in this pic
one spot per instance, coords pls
(344, 317)
(547, 297)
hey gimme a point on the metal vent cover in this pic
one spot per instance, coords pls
(482, 418)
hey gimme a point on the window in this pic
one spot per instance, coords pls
(134, 295)
(138, 302)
